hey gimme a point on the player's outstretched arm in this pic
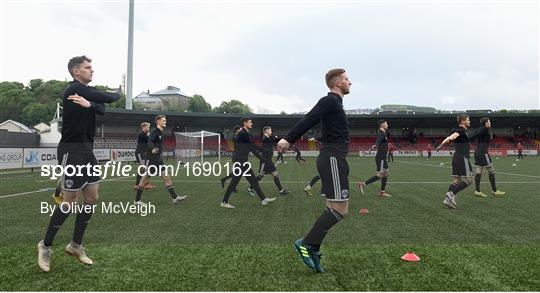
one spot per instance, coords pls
(447, 140)
(478, 132)
(313, 117)
(99, 108)
(95, 95)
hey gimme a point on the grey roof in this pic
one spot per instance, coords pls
(147, 99)
(19, 124)
(142, 95)
(170, 90)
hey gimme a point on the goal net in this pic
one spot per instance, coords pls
(197, 146)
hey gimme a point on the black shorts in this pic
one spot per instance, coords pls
(482, 160)
(140, 158)
(267, 167)
(381, 163)
(155, 167)
(461, 166)
(334, 172)
(79, 180)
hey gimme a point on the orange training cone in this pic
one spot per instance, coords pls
(364, 211)
(410, 256)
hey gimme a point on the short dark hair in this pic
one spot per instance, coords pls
(244, 120)
(461, 117)
(484, 120)
(266, 128)
(380, 122)
(159, 117)
(75, 62)
(332, 74)
(236, 127)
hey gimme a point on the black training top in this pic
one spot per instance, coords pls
(155, 140)
(483, 136)
(334, 125)
(382, 144)
(142, 143)
(462, 143)
(244, 145)
(79, 123)
(268, 143)
(234, 142)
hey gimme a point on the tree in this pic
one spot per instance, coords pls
(10, 85)
(13, 101)
(34, 84)
(35, 113)
(197, 103)
(233, 106)
(49, 91)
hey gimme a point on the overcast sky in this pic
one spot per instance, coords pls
(273, 54)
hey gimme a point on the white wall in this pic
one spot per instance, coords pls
(52, 137)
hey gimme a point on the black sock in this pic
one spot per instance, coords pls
(462, 185)
(138, 180)
(314, 180)
(383, 183)
(81, 221)
(57, 219)
(477, 179)
(452, 187)
(139, 193)
(326, 220)
(278, 183)
(492, 181)
(170, 188)
(372, 179)
(57, 191)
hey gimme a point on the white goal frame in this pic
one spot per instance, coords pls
(201, 135)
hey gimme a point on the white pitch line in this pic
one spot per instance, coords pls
(438, 166)
(23, 193)
(50, 188)
(123, 179)
(15, 172)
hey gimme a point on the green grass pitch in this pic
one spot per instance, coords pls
(487, 244)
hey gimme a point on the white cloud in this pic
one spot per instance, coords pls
(502, 89)
(451, 101)
(273, 55)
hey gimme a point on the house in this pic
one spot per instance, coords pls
(42, 127)
(146, 102)
(14, 126)
(170, 98)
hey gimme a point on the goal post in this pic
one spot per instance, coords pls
(197, 145)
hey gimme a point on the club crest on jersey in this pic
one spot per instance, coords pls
(69, 183)
(344, 193)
